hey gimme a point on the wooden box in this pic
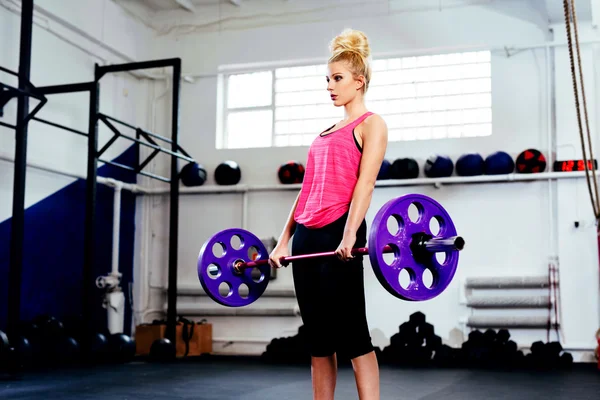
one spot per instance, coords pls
(199, 343)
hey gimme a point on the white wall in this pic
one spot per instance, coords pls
(506, 225)
(69, 37)
(577, 247)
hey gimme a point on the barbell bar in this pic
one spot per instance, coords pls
(432, 245)
(414, 246)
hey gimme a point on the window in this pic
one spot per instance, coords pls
(420, 98)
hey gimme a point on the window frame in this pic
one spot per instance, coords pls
(226, 71)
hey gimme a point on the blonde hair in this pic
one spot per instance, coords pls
(353, 47)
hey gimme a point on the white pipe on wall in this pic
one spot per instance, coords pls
(116, 227)
(245, 210)
(553, 257)
(102, 180)
(114, 299)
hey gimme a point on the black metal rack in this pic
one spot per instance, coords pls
(22, 123)
(26, 90)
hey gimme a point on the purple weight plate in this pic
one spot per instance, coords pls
(380, 236)
(215, 270)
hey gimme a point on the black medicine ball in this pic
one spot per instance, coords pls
(385, 171)
(163, 350)
(438, 166)
(4, 344)
(531, 161)
(405, 168)
(291, 172)
(193, 174)
(228, 173)
(499, 163)
(471, 164)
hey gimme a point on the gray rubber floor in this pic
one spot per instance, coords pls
(249, 379)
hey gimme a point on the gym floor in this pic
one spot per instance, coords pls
(247, 378)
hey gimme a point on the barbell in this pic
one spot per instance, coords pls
(225, 270)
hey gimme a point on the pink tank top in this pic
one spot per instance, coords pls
(330, 177)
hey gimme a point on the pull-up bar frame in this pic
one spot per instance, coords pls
(24, 116)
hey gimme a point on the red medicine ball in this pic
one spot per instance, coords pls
(291, 172)
(531, 161)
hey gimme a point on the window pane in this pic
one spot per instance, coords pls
(424, 133)
(248, 129)
(308, 139)
(439, 132)
(379, 65)
(395, 63)
(409, 62)
(282, 127)
(296, 140)
(484, 56)
(250, 90)
(409, 134)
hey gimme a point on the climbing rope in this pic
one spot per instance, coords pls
(570, 15)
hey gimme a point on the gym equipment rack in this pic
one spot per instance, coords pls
(26, 90)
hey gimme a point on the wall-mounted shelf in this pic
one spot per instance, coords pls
(242, 188)
(437, 182)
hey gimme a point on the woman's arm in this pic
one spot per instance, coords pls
(290, 225)
(281, 249)
(375, 137)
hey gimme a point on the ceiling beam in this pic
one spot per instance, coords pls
(187, 5)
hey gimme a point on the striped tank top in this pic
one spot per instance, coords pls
(331, 174)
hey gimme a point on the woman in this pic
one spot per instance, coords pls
(329, 214)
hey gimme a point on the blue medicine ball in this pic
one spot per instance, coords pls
(438, 166)
(499, 163)
(470, 164)
(384, 171)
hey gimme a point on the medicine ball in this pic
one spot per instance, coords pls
(121, 347)
(97, 350)
(193, 174)
(470, 164)
(23, 350)
(163, 350)
(228, 173)
(4, 345)
(291, 172)
(499, 163)
(50, 327)
(405, 168)
(438, 166)
(385, 171)
(531, 161)
(68, 351)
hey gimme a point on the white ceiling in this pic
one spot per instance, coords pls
(165, 15)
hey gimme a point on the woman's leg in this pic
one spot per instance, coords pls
(324, 377)
(366, 374)
(354, 333)
(311, 278)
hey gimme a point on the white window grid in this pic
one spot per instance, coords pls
(421, 98)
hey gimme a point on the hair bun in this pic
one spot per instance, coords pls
(353, 41)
